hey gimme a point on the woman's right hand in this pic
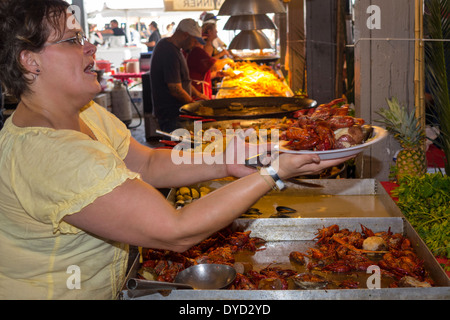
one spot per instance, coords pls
(293, 165)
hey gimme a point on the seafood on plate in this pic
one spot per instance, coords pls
(326, 127)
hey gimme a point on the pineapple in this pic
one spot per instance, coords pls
(405, 128)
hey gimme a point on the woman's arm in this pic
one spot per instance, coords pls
(158, 168)
(137, 214)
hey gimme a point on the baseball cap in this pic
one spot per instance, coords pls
(191, 26)
(209, 18)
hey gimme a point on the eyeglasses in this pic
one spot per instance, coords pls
(79, 38)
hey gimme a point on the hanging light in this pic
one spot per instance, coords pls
(249, 22)
(250, 7)
(250, 39)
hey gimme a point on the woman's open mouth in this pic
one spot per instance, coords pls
(90, 69)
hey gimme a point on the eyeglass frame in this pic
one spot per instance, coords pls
(80, 37)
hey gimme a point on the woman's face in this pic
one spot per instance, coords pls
(67, 65)
(212, 33)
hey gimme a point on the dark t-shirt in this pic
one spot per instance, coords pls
(155, 36)
(168, 65)
(120, 32)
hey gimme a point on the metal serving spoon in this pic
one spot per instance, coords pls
(201, 276)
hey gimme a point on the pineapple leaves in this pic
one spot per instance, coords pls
(403, 125)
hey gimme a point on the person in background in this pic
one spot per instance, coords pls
(169, 32)
(202, 66)
(169, 74)
(76, 188)
(95, 36)
(209, 31)
(155, 36)
(115, 30)
(218, 47)
(135, 36)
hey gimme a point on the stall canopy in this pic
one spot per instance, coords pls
(125, 9)
(142, 8)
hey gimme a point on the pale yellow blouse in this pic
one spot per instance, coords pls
(46, 174)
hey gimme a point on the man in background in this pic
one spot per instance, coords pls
(155, 36)
(115, 30)
(171, 85)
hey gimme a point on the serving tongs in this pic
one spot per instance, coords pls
(225, 88)
(175, 138)
(197, 118)
(178, 140)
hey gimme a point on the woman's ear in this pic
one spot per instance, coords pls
(29, 62)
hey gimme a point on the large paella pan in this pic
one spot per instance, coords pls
(247, 108)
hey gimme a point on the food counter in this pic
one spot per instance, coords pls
(356, 204)
(281, 227)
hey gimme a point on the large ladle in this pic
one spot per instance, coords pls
(201, 276)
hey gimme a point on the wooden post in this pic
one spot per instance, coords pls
(296, 63)
(340, 49)
(321, 49)
(384, 68)
(419, 66)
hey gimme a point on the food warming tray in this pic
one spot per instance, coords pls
(252, 108)
(349, 209)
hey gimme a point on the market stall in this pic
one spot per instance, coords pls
(333, 235)
(292, 220)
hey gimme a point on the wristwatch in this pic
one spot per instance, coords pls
(279, 183)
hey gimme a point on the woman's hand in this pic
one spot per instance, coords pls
(286, 165)
(293, 165)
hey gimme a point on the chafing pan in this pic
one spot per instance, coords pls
(297, 233)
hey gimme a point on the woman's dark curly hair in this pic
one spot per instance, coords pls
(25, 25)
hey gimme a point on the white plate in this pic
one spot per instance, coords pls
(378, 135)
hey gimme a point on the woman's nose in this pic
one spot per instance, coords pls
(89, 48)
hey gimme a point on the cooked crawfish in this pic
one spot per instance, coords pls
(297, 257)
(340, 251)
(309, 281)
(315, 129)
(242, 282)
(325, 233)
(302, 138)
(218, 248)
(403, 263)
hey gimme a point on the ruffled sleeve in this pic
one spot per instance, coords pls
(68, 176)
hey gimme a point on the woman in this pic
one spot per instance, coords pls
(203, 67)
(210, 32)
(75, 188)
